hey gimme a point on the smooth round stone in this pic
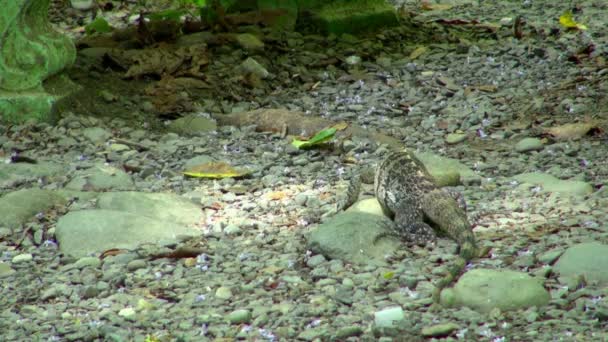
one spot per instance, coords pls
(529, 144)
(455, 138)
(26, 257)
(87, 262)
(136, 264)
(389, 317)
(239, 316)
(223, 292)
(127, 313)
(439, 330)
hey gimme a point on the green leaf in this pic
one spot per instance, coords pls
(388, 275)
(319, 138)
(98, 25)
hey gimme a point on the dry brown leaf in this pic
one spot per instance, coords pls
(486, 88)
(340, 126)
(112, 252)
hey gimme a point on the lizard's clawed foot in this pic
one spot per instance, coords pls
(435, 307)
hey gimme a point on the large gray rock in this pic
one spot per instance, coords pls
(585, 259)
(20, 206)
(348, 235)
(159, 206)
(484, 289)
(447, 171)
(90, 232)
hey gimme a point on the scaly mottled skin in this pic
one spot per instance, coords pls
(408, 194)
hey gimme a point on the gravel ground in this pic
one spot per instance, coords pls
(256, 279)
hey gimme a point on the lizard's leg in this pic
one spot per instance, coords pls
(409, 226)
(457, 196)
(352, 193)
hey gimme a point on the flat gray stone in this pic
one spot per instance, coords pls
(484, 289)
(158, 206)
(549, 183)
(585, 259)
(439, 330)
(249, 42)
(455, 138)
(447, 171)
(96, 135)
(101, 178)
(90, 232)
(252, 66)
(347, 236)
(529, 144)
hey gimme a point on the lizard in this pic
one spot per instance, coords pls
(408, 194)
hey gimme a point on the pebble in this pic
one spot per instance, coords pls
(136, 264)
(439, 330)
(232, 229)
(455, 138)
(127, 313)
(87, 262)
(389, 317)
(223, 292)
(22, 258)
(529, 144)
(239, 316)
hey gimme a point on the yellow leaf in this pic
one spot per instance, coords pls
(567, 21)
(276, 195)
(215, 170)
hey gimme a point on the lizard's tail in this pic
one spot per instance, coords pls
(453, 273)
(352, 193)
(467, 252)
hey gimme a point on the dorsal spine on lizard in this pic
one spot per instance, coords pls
(408, 194)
